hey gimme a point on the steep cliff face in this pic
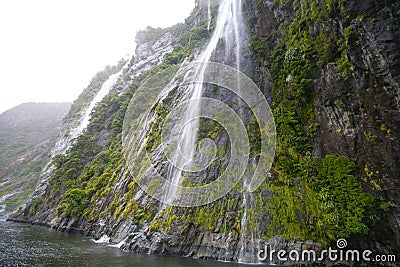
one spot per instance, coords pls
(330, 72)
(352, 48)
(371, 104)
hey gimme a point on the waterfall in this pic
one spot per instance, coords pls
(3, 212)
(229, 27)
(104, 90)
(247, 252)
(64, 140)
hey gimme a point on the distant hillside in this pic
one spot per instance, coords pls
(27, 133)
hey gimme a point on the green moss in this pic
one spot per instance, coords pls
(156, 127)
(310, 198)
(346, 207)
(37, 204)
(73, 203)
(370, 137)
(324, 202)
(209, 129)
(259, 45)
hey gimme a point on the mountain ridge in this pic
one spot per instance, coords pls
(27, 133)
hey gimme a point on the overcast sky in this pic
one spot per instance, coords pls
(49, 50)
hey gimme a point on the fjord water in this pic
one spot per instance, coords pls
(30, 245)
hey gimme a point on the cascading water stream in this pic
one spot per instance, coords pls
(3, 213)
(226, 25)
(247, 253)
(104, 90)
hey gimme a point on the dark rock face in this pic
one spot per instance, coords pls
(370, 105)
(358, 116)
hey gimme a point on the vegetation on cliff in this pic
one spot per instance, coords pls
(321, 197)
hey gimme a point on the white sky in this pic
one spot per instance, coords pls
(50, 49)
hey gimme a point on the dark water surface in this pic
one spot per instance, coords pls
(30, 245)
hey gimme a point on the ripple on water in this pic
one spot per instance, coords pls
(29, 245)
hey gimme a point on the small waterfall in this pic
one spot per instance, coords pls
(3, 212)
(120, 244)
(104, 90)
(64, 140)
(247, 252)
(229, 24)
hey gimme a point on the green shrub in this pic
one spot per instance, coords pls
(346, 207)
